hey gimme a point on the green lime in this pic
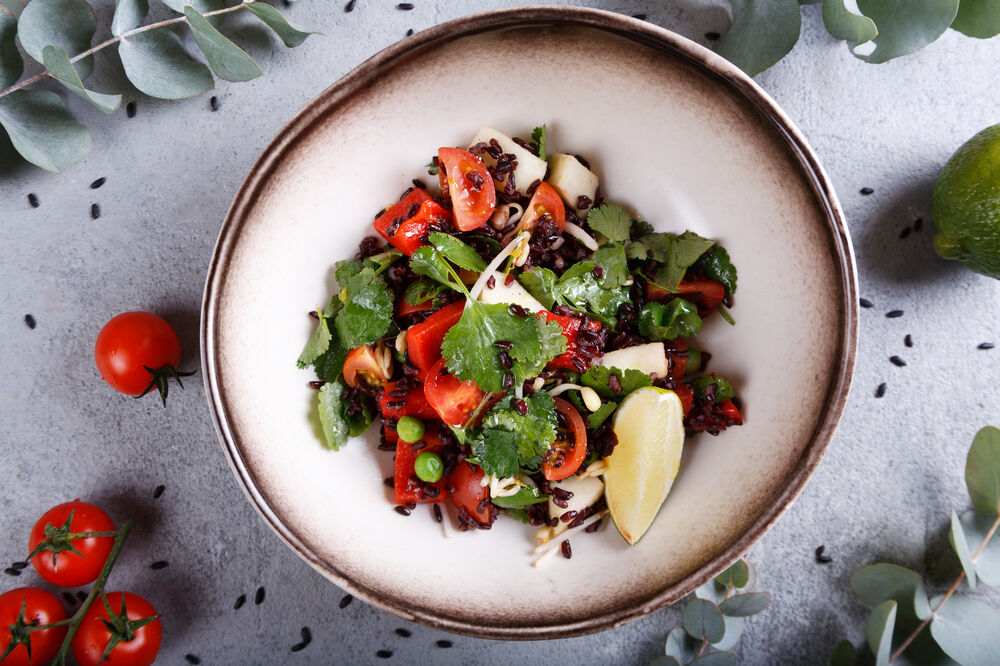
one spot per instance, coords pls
(966, 205)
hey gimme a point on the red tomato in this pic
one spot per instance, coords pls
(423, 340)
(473, 196)
(706, 294)
(686, 396)
(139, 646)
(732, 413)
(403, 308)
(40, 606)
(408, 487)
(415, 404)
(361, 364)
(452, 399)
(570, 448)
(69, 569)
(677, 357)
(571, 329)
(400, 209)
(545, 201)
(137, 352)
(468, 492)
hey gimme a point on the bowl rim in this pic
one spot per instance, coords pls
(703, 59)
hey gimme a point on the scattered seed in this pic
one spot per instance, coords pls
(443, 643)
(258, 598)
(905, 232)
(192, 659)
(908, 340)
(918, 224)
(159, 564)
(405, 633)
(985, 345)
(33, 200)
(712, 36)
(19, 565)
(158, 491)
(349, 7)
(437, 513)
(567, 551)
(95, 211)
(130, 109)
(405, 6)
(346, 601)
(29, 321)
(880, 391)
(896, 361)
(383, 654)
(409, 32)
(97, 183)
(402, 510)
(70, 599)
(213, 103)
(11, 571)
(866, 191)
(821, 558)
(240, 600)
(865, 303)
(893, 314)
(306, 640)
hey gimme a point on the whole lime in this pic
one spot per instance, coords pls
(965, 205)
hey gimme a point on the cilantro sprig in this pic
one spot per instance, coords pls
(676, 319)
(675, 253)
(599, 378)
(510, 441)
(578, 288)
(538, 136)
(337, 425)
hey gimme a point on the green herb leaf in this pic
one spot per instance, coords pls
(330, 363)
(877, 583)
(611, 221)
(978, 18)
(976, 526)
(961, 547)
(715, 264)
(844, 654)
(496, 452)
(367, 313)
(681, 646)
(336, 428)
(596, 419)
(317, 344)
(128, 15)
(653, 246)
(676, 319)
(703, 621)
(533, 432)
(762, 33)
(982, 471)
(611, 258)
(683, 251)
(843, 24)
(540, 283)
(597, 378)
(905, 28)
(157, 64)
(744, 605)
(68, 24)
(519, 515)
(966, 629)
(58, 64)
(524, 497)
(291, 36)
(457, 252)
(201, 6)
(42, 129)
(578, 288)
(431, 169)
(428, 261)
(226, 59)
(421, 291)
(881, 622)
(471, 356)
(641, 229)
(11, 64)
(737, 575)
(723, 389)
(538, 136)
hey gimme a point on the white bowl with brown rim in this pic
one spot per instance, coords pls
(676, 133)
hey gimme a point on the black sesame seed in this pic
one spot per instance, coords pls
(346, 601)
(349, 7)
(95, 211)
(11, 571)
(19, 565)
(159, 564)
(97, 183)
(905, 232)
(405, 6)
(192, 659)
(405, 633)
(908, 340)
(158, 491)
(70, 599)
(383, 654)
(896, 361)
(443, 643)
(985, 345)
(865, 303)
(213, 103)
(880, 391)
(409, 32)
(866, 191)
(893, 314)
(130, 109)
(918, 224)
(258, 598)
(33, 200)
(821, 558)
(712, 36)
(240, 600)
(29, 321)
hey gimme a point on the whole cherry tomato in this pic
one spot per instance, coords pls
(137, 352)
(57, 563)
(136, 632)
(40, 607)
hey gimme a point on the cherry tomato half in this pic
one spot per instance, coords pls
(468, 492)
(452, 399)
(136, 352)
(545, 201)
(473, 195)
(93, 635)
(38, 605)
(70, 569)
(570, 448)
(362, 364)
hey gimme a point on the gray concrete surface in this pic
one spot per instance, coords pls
(884, 490)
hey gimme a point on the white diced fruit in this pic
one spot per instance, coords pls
(530, 167)
(650, 358)
(572, 180)
(585, 491)
(509, 293)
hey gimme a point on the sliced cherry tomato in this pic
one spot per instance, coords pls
(362, 364)
(423, 340)
(571, 359)
(412, 404)
(470, 185)
(544, 202)
(686, 396)
(452, 399)
(40, 607)
(570, 448)
(408, 487)
(138, 645)
(466, 490)
(706, 294)
(407, 229)
(137, 352)
(69, 569)
(732, 413)
(400, 211)
(403, 308)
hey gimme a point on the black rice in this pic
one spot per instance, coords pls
(904, 233)
(389, 482)
(11, 571)
(437, 514)
(95, 211)
(346, 601)
(880, 391)
(505, 360)
(97, 183)
(521, 406)
(317, 384)
(192, 659)
(213, 103)
(130, 110)
(240, 600)
(503, 344)
(985, 345)
(405, 633)
(349, 7)
(508, 380)
(383, 654)
(405, 6)
(33, 200)
(712, 36)
(865, 303)
(893, 314)
(896, 361)
(567, 551)
(258, 598)
(443, 643)
(918, 224)
(29, 321)
(159, 564)
(402, 510)
(306, 640)
(866, 191)
(821, 557)
(908, 340)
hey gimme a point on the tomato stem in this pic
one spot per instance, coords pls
(161, 380)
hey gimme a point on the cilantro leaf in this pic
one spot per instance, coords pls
(383, 260)
(611, 258)
(317, 344)
(579, 289)
(330, 363)
(432, 168)
(518, 514)
(684, 251)
(540, 283)
(533, 432)
(421, 291)
(676, 319)
(723, 389)
(457, 252)
(611, 221)
(367, 312)
(715, 264)
(471, 355)
(653, 246)
(601, 415)
(526, 496)
(346, 269)
(538, 136)
(430, 262)
(496, 452)
(641, 229)
(336, 428)
(598, 376)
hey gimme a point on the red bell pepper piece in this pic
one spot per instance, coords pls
(423, 340)
(408, 487)
(706, 294)
(467, 492)
(415, 404)
(571, 329)
(405, 231)
(729, 409)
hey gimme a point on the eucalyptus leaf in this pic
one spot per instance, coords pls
(879, 631)
(844, 24)
(42, 130)
(967, 630)
(878, 583)
(59, 66)
(976, 526)
(681, 646)
(844, 654)
(271, 17)
(982, 471)
(157, 64)
(744, 605)
(762, 33)
(734, 629)
(716, 659)
(712, 591)
(961, 547)
(978, 18)
(664, 661)
(738, 575)
(128, 15)
(200, 6)
(904, 27)
(11, 64)
(703, 621)
(226, 59)
(69, 24)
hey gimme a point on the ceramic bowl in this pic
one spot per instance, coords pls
(675, 133)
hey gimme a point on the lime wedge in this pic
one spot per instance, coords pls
(642, 468)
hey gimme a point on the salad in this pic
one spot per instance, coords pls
(509, 331)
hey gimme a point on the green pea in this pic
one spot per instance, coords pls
(428, 467)
(410, 429)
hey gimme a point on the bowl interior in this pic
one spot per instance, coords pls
(671, 141)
